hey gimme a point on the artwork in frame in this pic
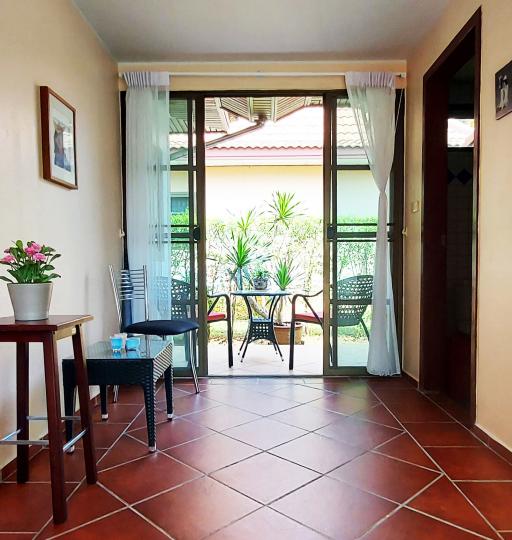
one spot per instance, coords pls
(503, 80)
(58, 130)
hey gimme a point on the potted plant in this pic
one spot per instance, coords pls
(284, 275)
(260, 278)
(30, 284)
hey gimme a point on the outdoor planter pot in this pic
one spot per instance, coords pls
(261, 284)
(282, 332)
(30, 301)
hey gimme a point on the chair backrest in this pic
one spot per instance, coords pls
(129, 285)
(177, 295)
(354, 296)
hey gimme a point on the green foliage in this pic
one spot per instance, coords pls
(260, 272)
(29, 264)
(283, 209)
(284, 274)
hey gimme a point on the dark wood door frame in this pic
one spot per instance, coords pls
(464, 46)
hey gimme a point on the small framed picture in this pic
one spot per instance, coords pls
(503, 81)
(58, 129)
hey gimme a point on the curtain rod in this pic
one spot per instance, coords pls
(400, 75)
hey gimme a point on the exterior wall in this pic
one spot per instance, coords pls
(494, 348)
(237, 189)
(48, 43)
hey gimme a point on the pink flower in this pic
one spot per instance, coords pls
(36, 247)
(8, 259)
(38, 257)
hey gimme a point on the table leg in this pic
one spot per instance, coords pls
(22, 410)
(85, 409)
(149, 401)
(54, 428)
(69, 384)
(168, 392)
(103, 401)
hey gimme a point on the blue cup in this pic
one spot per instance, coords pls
(132, 343)
(116, 343)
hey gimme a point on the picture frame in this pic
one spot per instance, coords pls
(503, 91)
(58, 138)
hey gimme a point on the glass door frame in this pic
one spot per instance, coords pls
(332, 236)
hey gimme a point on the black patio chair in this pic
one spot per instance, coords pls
(354, 296)
(181, 308)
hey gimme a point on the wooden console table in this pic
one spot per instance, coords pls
(48, 332)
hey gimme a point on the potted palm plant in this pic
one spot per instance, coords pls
(284, 275)
(30, 285)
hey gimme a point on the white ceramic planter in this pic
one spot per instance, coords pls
(30, 301)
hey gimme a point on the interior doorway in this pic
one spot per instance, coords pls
(450, 212)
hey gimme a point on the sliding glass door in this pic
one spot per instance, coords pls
(351, 207)
(186, 205)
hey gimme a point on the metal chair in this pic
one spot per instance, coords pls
(181, 307)
(130, 285)
(354, 296)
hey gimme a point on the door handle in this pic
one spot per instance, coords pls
(331, 232)
(196, 233)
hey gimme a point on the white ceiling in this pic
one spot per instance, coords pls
(223, 30)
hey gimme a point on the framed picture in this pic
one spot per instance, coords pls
(58, 129)
(503, 81)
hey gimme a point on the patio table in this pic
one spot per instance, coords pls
(261, 327)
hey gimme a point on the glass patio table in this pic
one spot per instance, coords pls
(261, 327)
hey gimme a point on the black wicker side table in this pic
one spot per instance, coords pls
(141, 367)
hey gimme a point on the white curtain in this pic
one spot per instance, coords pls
(372, 97)
(147, 183)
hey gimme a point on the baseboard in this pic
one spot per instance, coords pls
(409, 378)
(492, 443)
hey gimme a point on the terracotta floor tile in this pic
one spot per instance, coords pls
(384, 476)
(172, 433)
(419, 409)
(298, 393)
(24, 507)
(471, 463)
(125, 525)
(334, 508)
(105, 434)
(74, 466)
(264, 433)
(140, 421)
(442, 434)
(222, 417)
(249, 400)
(493, 499)
(445, 501)
(350, 387)
(266, 524)
(86, 504)
(146, 476)
(409, 525)
(197, 509)
(358, 432)
(342, 403)
(212, 452)
(117, 413)
(307, 417)
(130, 395)
(191, 403)
(16, 536)
(265, 477)
(380, 415)
(404, 447)
(317, 452)
(124, 450)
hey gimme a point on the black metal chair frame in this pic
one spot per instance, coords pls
(356, 302)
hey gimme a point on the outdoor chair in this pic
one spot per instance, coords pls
(181, 308)
(130, 285)
(354, 296)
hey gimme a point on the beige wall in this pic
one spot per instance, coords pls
(48, 43)
(494, 352)
(237, 189)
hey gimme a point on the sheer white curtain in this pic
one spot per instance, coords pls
(372, 97)
(147, 182)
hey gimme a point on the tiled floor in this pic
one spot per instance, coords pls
(277, 459)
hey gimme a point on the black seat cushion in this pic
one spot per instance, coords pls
(162, 327)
